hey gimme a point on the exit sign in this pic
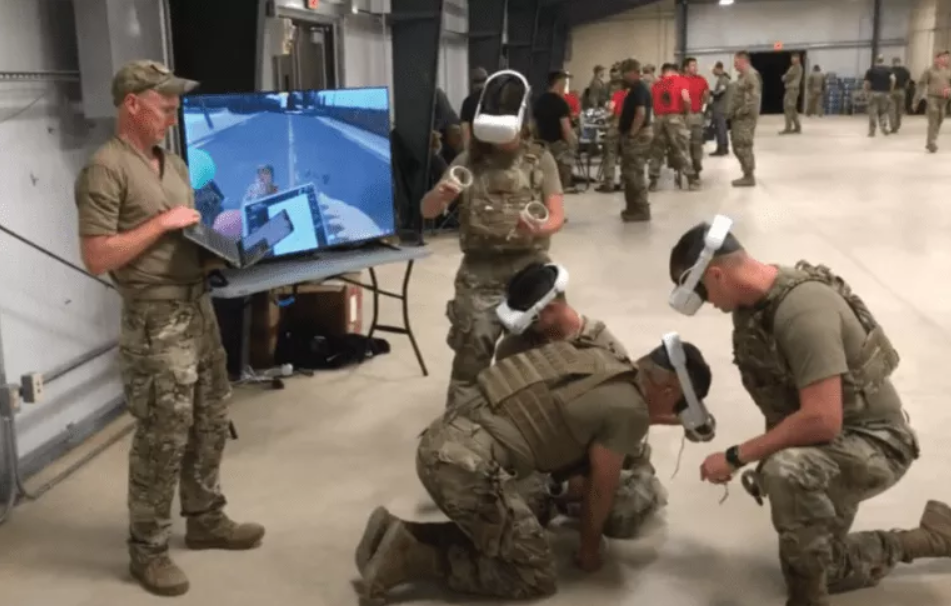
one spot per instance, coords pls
(313, 4)
(777, 46)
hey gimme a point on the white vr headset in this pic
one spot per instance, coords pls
(698, 423)
(500, 129)
(685, 298)
(517, 322)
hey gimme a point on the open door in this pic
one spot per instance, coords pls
(771, 67)
(311, 64)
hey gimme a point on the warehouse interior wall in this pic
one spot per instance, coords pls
(929, 31)
(49, 314)
(648, 34)
(836, 35)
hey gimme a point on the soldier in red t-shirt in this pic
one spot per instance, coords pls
(671, 137)
(699, 90)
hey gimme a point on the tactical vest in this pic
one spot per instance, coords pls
(495, 201)
(532, 389)
(766, 374)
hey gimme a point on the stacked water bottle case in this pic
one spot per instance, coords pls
(843, 96)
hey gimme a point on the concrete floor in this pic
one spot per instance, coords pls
(314, 459)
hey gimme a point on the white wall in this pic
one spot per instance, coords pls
(836, 35)
(49, 314)
(647, 34)
(929, 31)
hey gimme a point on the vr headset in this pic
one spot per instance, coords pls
(685, 298)
(516, 321)
(490, 124)
(698, 423)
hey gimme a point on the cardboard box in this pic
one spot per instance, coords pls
(333, 308)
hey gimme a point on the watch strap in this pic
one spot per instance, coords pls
(733, 457)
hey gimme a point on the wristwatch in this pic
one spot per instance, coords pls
(733, 457)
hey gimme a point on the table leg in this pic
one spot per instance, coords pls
(406, 324)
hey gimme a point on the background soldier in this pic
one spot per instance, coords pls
(879, 84)
(935, 85)
(699, 90)
(637, 134)
(792, 79)
(610, 145)
(900, 93)
(721, 92)
(816, 87)
(597, 94)
(745, 107)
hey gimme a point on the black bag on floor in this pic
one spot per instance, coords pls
(312, 351)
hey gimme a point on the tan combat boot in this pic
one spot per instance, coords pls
(745, 181)
(380, 520)
(636, 215)
(219, 532)
(159, 575)
(399, 558)
(932, 538)
(693, 184)
(806, 591)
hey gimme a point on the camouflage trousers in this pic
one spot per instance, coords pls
(611, 145)
(695, 126)
(742, 133)
(635, 152)
(495, 545)
(814, 494)
(176, 385)
(814, 104)
(474, 328)
(671, 141)
(564, 155)
(878, 111)
(936, 110)
(791, 111)
(897, 107)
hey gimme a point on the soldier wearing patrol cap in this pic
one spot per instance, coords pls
(134, 198)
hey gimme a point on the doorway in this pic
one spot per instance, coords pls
(771, 67)
(311, 63)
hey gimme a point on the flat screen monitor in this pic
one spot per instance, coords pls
(318, 154)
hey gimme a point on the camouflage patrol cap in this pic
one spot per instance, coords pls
(630, 65)
(139, 76)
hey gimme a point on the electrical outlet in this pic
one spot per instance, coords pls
(9, 400)
(32, 387)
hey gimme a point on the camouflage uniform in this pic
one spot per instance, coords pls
(564, 154)
(173, 365)
(495, 544)
(636, 150)
(814, 492)
(744, 110)
(934, 85)
(492, 255)
(612, 138)
(792, 79)
(815, 87)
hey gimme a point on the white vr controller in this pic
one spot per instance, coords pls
(535, 213)
(460, 179)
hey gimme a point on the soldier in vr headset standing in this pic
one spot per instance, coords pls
(510, 174)
(817, 364)
(570, 407)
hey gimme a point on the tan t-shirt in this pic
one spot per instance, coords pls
(818, 334)
(117, 191)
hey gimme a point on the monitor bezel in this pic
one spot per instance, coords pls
(183, 144)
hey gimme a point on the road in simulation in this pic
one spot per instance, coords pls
(353, 181)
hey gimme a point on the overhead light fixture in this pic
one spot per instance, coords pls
(726, 2)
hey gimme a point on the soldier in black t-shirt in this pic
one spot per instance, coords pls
(900, 93)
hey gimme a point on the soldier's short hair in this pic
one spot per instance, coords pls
(687, 61)
(943, 53)
(687, 250)
(630, 65)
(743, 54)
(701, 377)
(718, 65)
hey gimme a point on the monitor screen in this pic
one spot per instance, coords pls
(322, 155)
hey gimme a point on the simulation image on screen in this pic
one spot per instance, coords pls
(328, 151)
(309, 232)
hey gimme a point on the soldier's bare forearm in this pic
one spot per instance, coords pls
(103, 254)
(595, 509)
